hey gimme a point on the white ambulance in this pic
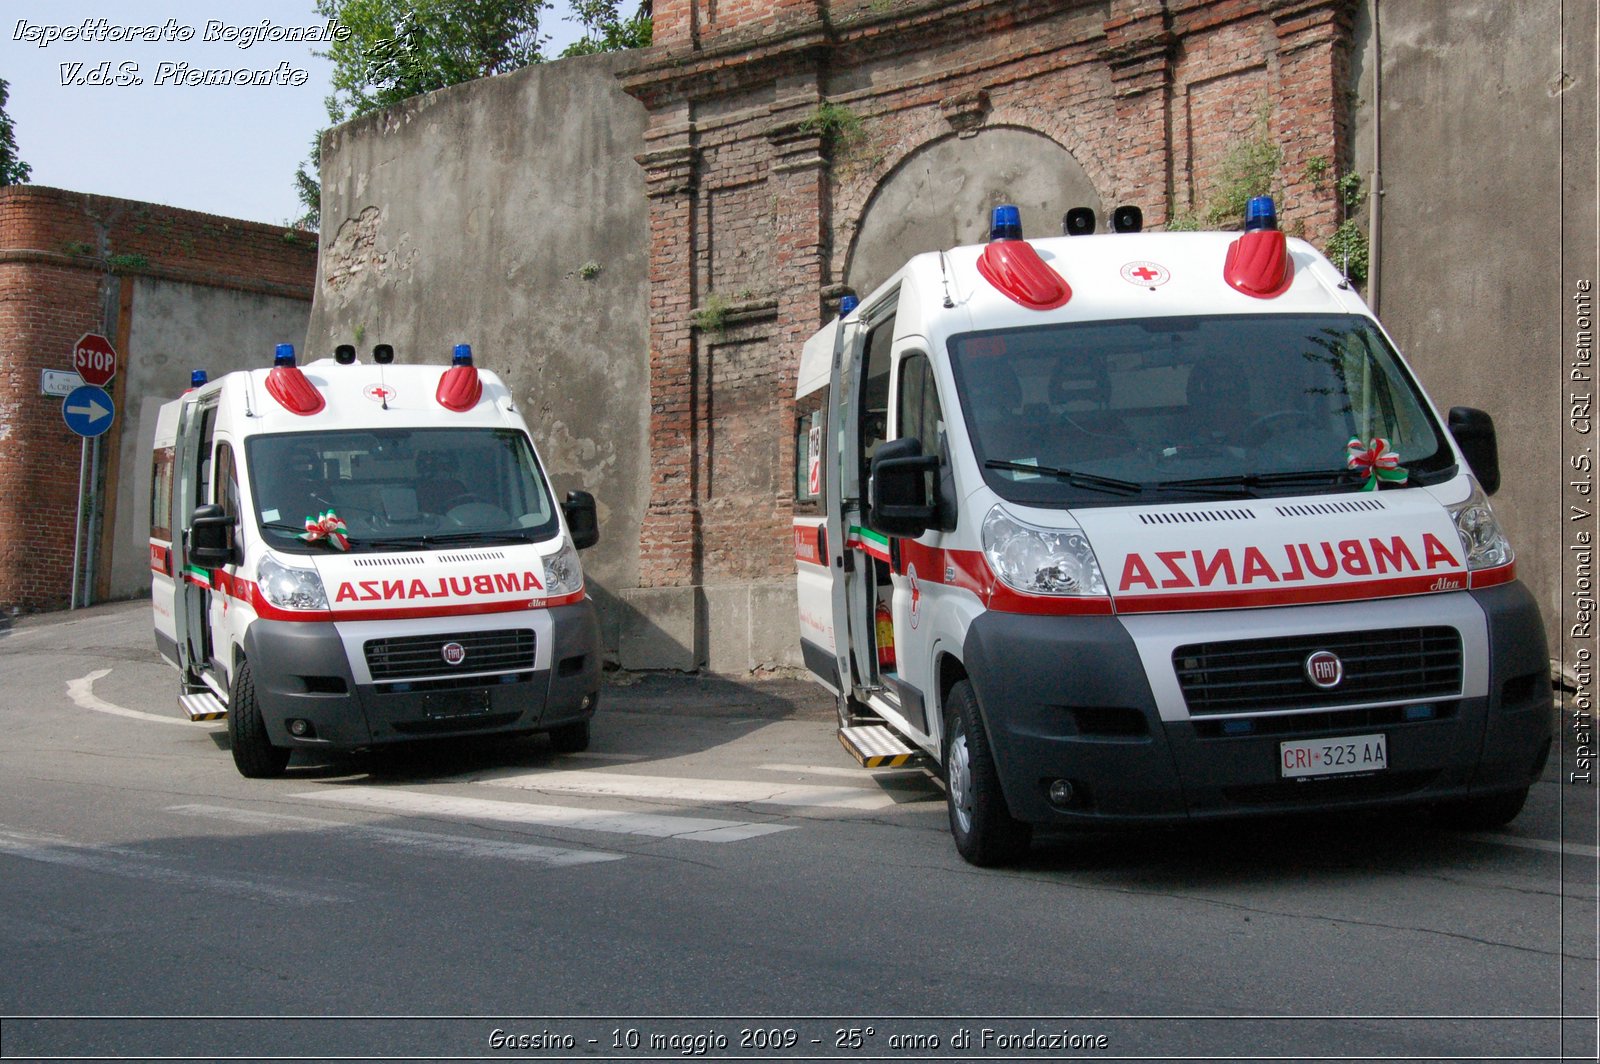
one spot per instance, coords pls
(352, 554)
(1144, 527)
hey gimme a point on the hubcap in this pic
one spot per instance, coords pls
(959, 774)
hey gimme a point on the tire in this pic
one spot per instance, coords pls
(253, 753)
(570, 738)
(985, 832)
(1481, 812)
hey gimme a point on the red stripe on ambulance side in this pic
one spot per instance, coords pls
(248, 591)
(807, 542)
(1293, 596)
(1500, 574)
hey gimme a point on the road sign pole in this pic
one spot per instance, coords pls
(77, 530)
(91, 540)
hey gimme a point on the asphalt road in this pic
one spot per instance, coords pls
(715, 877)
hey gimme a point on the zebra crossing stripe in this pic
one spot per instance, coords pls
(697, 829)
(403, 838)
(676, 788)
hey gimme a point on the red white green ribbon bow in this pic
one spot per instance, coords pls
(327, 526)
(1375, 458)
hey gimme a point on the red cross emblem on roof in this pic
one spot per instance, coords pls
(378, 393)
(1146, 274)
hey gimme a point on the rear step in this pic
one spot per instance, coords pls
(203, 706)
(875, 746)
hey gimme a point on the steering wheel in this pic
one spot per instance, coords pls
(477, 512)
(464, 498)
(1257, 429)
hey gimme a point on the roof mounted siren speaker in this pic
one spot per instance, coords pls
(382, 354)
(344, 354)
(1127, 219)
(1079, 221)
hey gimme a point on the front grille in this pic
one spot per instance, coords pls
(1331, 722)
(1263, 675)
(414, 656)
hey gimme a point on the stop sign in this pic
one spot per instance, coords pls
(95, 359)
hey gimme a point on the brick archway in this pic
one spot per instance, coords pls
(940, 194)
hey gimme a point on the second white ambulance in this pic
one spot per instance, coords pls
(1139, 527)
(354, 554)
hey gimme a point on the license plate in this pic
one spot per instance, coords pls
(1333, 757)
(446, 704)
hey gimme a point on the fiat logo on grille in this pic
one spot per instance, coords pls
(453, 653)
(1324, 669)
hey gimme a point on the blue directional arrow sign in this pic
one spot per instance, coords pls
(89, 410)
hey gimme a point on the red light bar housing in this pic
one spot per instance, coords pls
(1258, 264)
(1016, 269)
(459, 389)
(296, 394)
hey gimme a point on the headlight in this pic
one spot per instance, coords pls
(1040, 561)
(563, 573)
(290, 589)
(1485, 545)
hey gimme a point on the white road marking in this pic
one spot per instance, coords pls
(456, 845)
(698, 829)
(81, 691)
(117, 861)
(681, 789)
(1571, 849)
(857, 773)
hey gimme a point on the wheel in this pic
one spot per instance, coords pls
(570, 738)
(985, 831)
(253, 752)
(1481, 812)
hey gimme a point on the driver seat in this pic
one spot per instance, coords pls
(437, 485)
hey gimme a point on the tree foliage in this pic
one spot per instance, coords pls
(604, 30)
(400, 48)
(13, 171)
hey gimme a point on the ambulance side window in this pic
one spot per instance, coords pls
(227, 487)
(809, 433)
(919, 403)
(202, 488)
(875, 393)
(918, 413)
(161, 494)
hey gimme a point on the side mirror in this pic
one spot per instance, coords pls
(583, 521)
(1474, 434)
(899, 503)
(211, 537)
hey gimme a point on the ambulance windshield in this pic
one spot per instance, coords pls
(398, 489)
(1190, 407)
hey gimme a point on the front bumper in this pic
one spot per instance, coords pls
(1073, 698)
(305, 672)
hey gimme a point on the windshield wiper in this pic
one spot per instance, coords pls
(499, 536)
(1071, 476)
(1328, 477)
(440, 539)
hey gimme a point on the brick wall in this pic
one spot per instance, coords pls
(753, 210)
(63, 259)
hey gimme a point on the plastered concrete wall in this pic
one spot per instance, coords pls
(176, 328)
(509, 213)
(1463, 125)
